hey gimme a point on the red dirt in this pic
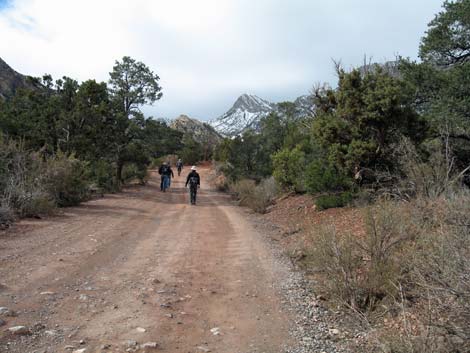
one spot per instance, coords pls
(144, 259)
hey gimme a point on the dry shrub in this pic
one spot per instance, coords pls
(256, 196)
(23, 181)
(441, 272)
(221, 183)
(360, 272)
(7, 216)
(431, 173)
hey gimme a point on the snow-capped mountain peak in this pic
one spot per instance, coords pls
(252, 103)
(245, 114)
(248, 110)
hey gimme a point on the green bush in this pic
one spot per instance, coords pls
(133, 171)
(67, 180)
(320, 177)
(289, 165)
(103, 175)
(7, 216)
(324, 202)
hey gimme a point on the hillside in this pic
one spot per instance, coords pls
(201, 132)
(11, 81)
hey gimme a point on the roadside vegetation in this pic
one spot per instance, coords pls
(394, 141)
(63, 141)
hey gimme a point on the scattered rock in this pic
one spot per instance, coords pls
(169, 316)
(149, 345)
(140, 329)
(215, 331)
(7, 312)
(105, 346)
(131, 344)
(19, 330)
(2, 322)
(47, 293)
(204, 349)
(69, 348)
(51, 332)
(83, 297)
(334, 331)
(457, 341)
(82, 350)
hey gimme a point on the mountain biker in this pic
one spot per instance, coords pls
(194, 182)
(179, 165)
(166, 173)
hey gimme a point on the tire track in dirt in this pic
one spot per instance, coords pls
(143, 259)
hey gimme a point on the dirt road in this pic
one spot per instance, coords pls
(139, 267)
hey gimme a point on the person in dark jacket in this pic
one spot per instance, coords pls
(166, 173)
(194, 182)
(179, 165)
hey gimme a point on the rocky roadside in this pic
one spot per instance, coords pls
(316, 328)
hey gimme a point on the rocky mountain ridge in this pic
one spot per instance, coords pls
(248, 110)
(200, 131)
(11, 81)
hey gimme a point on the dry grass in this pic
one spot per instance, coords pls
(410, 268)
(256, 196)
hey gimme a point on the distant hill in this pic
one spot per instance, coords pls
(11, 81)
(248, 110)
(198, 130)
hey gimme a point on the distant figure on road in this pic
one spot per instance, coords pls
(166, 173)
(179, 165)
(194, 182)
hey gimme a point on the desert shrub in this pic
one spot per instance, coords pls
(7, 216)
(221, 183)
(67, 180)
(320, 177)
(438, 281)
(134, 171)
(360, 272)
(324, 202)
(22, 181)
(441, 269)
(256, 196)
(103, 174)
(289, 165)
(430, 172)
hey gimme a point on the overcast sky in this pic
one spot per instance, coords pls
(208, 52)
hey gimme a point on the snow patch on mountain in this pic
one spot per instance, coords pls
(245, 113)
(248, 110)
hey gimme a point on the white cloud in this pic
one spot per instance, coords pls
(209, 51)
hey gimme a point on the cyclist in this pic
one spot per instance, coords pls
(194, 182)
